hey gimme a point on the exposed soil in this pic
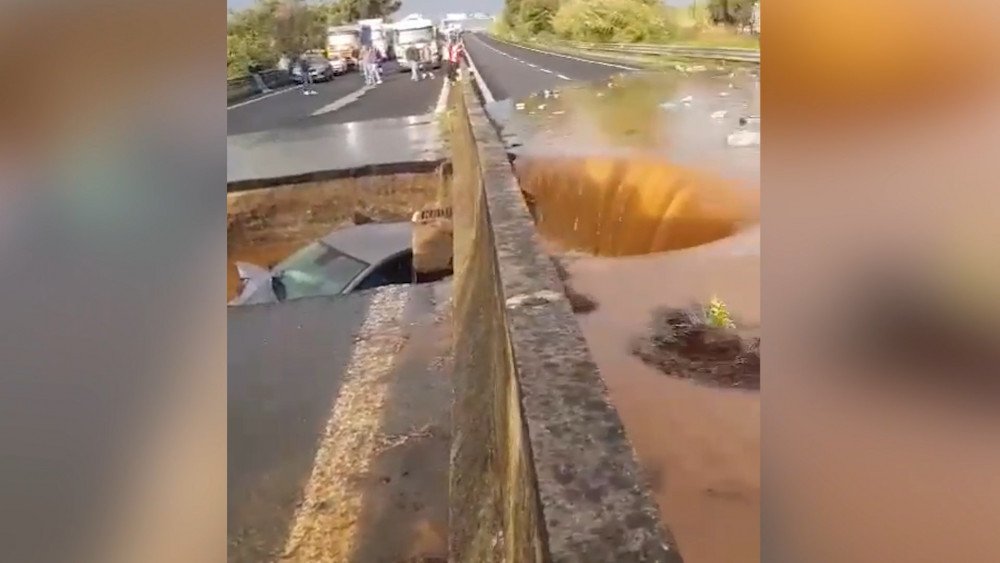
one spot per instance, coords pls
(265, 226)
(580, 303)
(681, 344)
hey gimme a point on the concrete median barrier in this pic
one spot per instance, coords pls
(541, 468)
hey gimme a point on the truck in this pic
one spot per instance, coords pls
(343, 42)
(380, 37)
(454, 23)
(418, 32)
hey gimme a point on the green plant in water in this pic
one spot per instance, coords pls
(717, 314)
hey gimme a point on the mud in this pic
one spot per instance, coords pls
(682, 344)
(266, 225)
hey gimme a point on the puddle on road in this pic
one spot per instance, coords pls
(265, 226)
(644, 203)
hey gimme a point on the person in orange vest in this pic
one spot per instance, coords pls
(454, 54)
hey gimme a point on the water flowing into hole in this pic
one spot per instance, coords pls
(616, 206)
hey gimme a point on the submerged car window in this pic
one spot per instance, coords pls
(319, 270)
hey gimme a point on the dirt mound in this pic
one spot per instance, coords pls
(682, 344)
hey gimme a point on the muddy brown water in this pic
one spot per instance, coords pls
(648, 208)
(699, 445)
(265, 226)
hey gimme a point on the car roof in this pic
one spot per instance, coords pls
(372, 242)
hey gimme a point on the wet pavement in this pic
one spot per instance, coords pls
(339, 427)
(284, 153)
(639, 193)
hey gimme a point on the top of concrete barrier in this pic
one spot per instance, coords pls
(595, 503)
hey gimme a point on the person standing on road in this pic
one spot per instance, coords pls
(254, 70)
(376, 61)
(427, 55)
(363, 62)
(306, 77)
(413, 57)
(454, 51)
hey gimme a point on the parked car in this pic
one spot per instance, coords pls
(340, 66)
(346, 260)
(320, 69)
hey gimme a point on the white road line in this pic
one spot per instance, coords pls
(487, 95)
(564, 77)
(564, 56)
(325, 524)
(442, 103)
(534, 66)
(264, 97)
(341, 102)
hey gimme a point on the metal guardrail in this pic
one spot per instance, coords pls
(243, 87)
(718, 53)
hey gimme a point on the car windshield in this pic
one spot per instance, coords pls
(416, 35)
(316, 60)
(318, 270)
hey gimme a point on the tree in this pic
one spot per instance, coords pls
(732, 12)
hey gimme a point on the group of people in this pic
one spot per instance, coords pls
(420, 60)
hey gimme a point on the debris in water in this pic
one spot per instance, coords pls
(560, 112)
(541, 106)
(744, 121)
(668, 105)
(744, 138)
(719, 114)
(731, 86)
(683, 344)
(687, 99)
(600, 94)
(519, 106)
(723, 94)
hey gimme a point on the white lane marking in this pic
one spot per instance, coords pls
(341, 102)
(442, 103)
(613, 65)
(264, 97)
(325, 524)
(487, 95)
(564, 77)
(536, 67)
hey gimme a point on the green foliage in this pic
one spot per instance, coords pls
(717, 314)
(619, 21)
(732, 12)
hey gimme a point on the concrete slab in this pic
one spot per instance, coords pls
(339, 427)
(350, 148)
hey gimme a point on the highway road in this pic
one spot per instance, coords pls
(341, 100)
(515, 72)
(509, 72)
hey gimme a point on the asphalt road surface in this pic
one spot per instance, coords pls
(508, 70)
(339, 431)
(398, 96)
(515, 72)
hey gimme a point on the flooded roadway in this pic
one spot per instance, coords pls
(638, 190)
